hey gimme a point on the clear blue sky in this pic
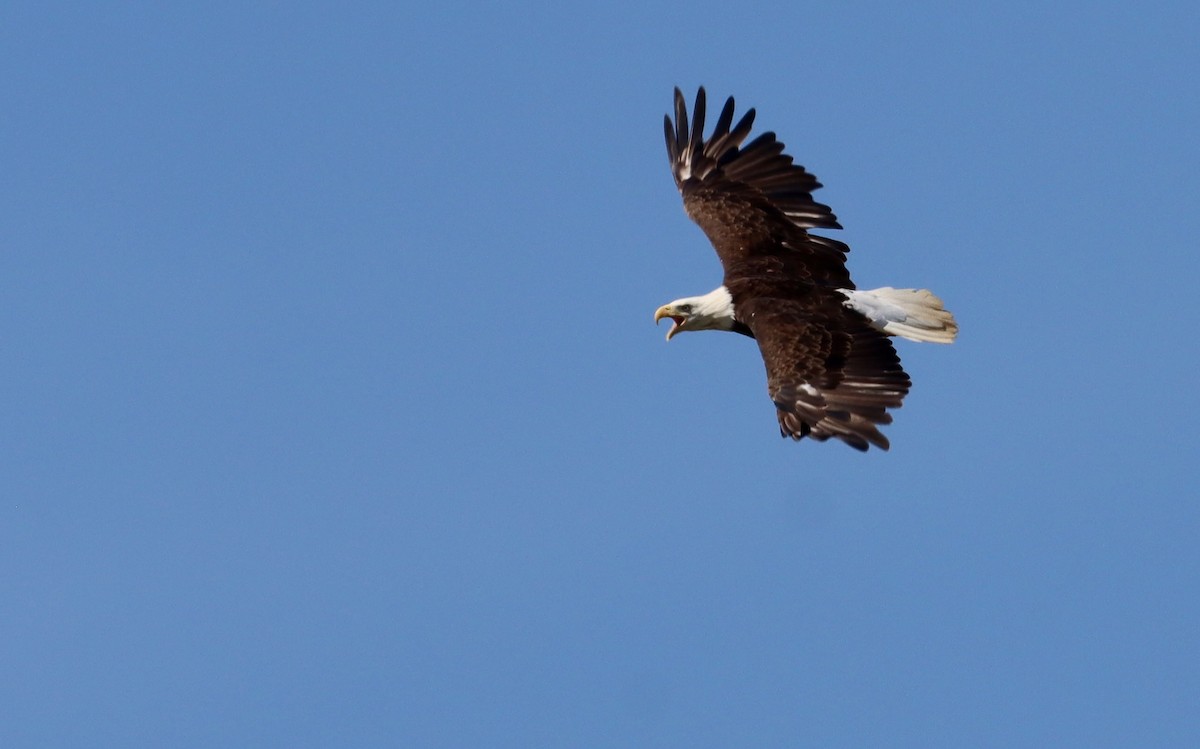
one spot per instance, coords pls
(334, 414)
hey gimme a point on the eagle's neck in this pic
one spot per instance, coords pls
(716, 309)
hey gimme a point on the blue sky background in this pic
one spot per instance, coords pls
(334, 414)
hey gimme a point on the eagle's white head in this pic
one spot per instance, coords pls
(713, 311)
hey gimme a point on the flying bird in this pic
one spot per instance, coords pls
(831, 367)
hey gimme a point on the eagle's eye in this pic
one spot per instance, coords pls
(684, 308)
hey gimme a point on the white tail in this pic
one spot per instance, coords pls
(915, 314)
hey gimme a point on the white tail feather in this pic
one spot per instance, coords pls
(915, 314)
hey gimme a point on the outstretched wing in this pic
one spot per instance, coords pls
(752, 200)
(829, 373)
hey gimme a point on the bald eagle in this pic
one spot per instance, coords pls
(831, 368)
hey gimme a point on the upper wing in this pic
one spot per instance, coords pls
(751, 200)
(829, 372)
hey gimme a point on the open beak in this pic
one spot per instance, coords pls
(667, 311)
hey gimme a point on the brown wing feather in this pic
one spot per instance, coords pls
(871, 382)
(829, 373)
(750, 200)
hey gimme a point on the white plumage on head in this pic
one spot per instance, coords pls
(711, 311)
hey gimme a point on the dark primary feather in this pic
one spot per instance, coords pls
(750, 200)
(829, 373)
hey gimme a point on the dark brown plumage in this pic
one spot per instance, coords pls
(829, 372)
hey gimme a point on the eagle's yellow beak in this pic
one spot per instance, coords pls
(668, 311)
